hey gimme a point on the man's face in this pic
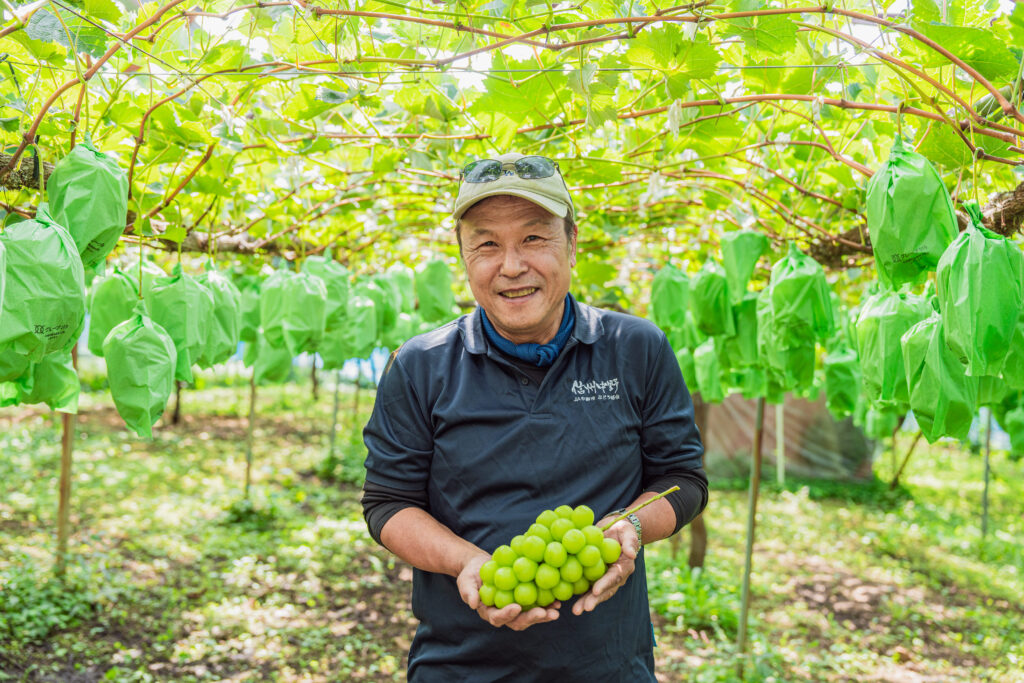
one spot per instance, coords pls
(519, 263)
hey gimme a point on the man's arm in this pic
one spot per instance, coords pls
(415, 536)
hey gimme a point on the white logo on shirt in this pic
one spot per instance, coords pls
(596, 390)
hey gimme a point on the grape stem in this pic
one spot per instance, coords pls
(644, 504)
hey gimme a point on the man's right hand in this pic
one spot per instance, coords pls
(468, 582)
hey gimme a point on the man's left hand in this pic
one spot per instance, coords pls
(617, 573)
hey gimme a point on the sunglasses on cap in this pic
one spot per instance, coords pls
(489, 170)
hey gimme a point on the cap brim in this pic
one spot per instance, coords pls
(553, 206)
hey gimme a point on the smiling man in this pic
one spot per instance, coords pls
(531, 401)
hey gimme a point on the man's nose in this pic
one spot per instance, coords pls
(513, 264)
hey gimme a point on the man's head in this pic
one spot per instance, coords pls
(518, 241)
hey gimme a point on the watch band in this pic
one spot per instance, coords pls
(635, 521)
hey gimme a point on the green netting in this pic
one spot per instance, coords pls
(224, 328)
(1013, 423)
(942, 397)
(741, 348)
(979, 286)
(670, 293)
(293, 311)
(801, 298)
(141, 367)
(686, 366)
(362, 330)
(884, 318)
(404, 278)
(111, 303)
(842, 381)
(54, 382)
(336, 279)
(740, 253)
(910, 217)
(433, 284)
(182, 307)
(710, 301)
(88, 194)
(709, 373)
(44, 294)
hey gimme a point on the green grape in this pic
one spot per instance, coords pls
(559, 527)
(504, 556)
(580, 587)
(545, 518)
(524, 568)
(563, 511)
(517, 544)
(574, 540)
(562, 590)
(572, 570)
(589, 555)
(593, 534)
(505, 579)
(545, 597)
(503, 598)
(487, 570)
(526, 595)
(582, 516)
(610, 550)
(547, 576)
(555, 554)
(594, 572)
(534, 546)
(487, 592)
(540, 530)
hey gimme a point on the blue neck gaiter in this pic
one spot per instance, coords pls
(541, 355)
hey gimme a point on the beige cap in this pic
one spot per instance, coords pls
(548, 193)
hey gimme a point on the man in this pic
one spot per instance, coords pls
(530, 402)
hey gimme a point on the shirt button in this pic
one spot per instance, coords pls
(524, 381)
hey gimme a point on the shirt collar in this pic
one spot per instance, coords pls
(588, 328)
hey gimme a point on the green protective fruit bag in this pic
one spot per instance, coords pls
(740, 253)
(691, 336)
(225, 324)
(389, 302)
(112, 301)
(334, 349)
(336, 279)
(293, 309)
(943, 398)
(686, 366)
(742, 346)
(880, 423)
(44, 294)
(88, 195)
(405, 328)
(13, 365)
(884, 319)
(183, 308)
(433, 285)
(788, 361)
(710, 301)
(362, 330)
(141, 367)
(1013, 423)
(3, 280)
(404, 279)
(992, 391)
(980, 280)
(150, 273)
(1013, 366)
(910, 217)
(750, 382)
(670, 293)
(801, 298)
(270, 364)
(249, 293)
(842, 381)
(54, 382)
(708, 371)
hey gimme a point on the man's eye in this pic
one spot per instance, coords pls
(489, 243)
(533, 238)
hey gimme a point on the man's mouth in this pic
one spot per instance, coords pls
(518, 293)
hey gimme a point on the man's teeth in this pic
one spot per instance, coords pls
(515, 294)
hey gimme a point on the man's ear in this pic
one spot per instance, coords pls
(572, 245)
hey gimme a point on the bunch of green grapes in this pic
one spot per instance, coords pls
(561, 555)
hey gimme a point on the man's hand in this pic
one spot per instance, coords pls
(616, 574)
(468, 582)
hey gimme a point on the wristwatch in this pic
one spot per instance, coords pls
(635, 521)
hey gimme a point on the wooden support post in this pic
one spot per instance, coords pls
(248, 440)
(315, 381)
(984, 496)
(176, 415)
(755, 483)
(334, 417)
(780, 443)
(64, 496)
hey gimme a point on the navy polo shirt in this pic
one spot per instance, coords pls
(493, 448)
